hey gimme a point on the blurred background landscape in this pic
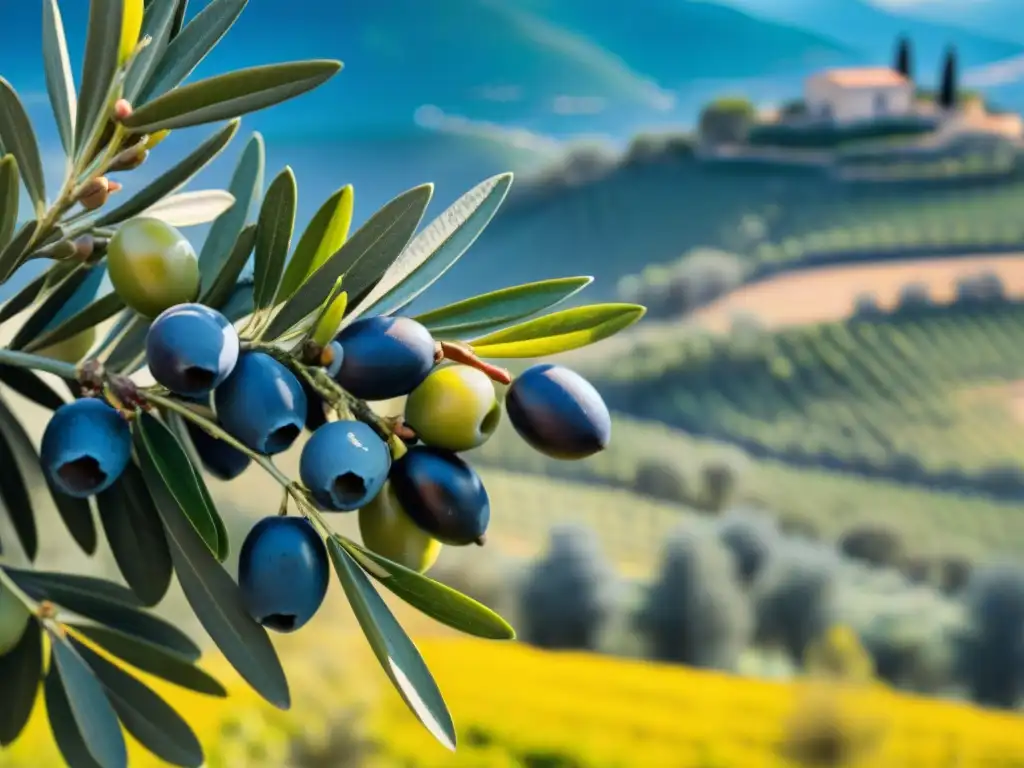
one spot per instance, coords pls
(817, 459)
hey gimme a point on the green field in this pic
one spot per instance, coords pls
(932, 522)
(654, 206)
(931, 387)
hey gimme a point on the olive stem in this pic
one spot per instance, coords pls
(169, 404)
(18, 359)
(463, 353)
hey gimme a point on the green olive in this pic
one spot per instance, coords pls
(454, 408)
(13, 620)
(152, 266)
(71, 350)
(387, 530)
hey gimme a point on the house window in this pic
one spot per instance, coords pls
(881, 104)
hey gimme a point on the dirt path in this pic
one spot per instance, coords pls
(829, 294)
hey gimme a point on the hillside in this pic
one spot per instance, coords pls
(610, 216)
(928, 395)
(872, 30)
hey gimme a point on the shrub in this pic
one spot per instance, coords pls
(954, 573)
(873, 544)
(726, 120)
(983, 288)
(752, 542)
(719, 482)
(696, 279)
(660, 479)
(914, 297)
(866, 305)
(695, 613)
(993, 653)
(567, 596)
(801, 603)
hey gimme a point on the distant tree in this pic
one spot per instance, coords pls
(904, 58)
(948, 89)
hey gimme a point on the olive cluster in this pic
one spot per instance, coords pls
(405, 477)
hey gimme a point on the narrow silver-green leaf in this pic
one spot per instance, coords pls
(436, 600)
(136, 536)
(436, 249)
(147, 717)
(495, 310)
(179, 19)
(274, 237)
(90, 709)
(72, 293)
(152, 659)
(99, 311)
(163, 461)
(325, 233)
(10, 195)
(173, 179)
(157, 24)
(393, 648)
(21, 669)
(224, 283)
(558, 332)
(245, 186)
(217, 602)
(14, 491)
(189, 209)
(18, 138)
(191, 46)
(60, 83)
(381, 239)
(66, 733)
(102, 46)
(28, 384)
(231, 95)
(106, 603)
(13, 254)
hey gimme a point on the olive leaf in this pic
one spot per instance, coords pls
(18, 138)
(24, 298)
(245, 186)
(329, 318)
(273, 237)
(21, 669)
(157, 24)
(224, 283)
(60, 83)
(559, 331)
(323, 236)
(231, 95)
(217, 602)
(394, 650)
(72, 294)
(106, 603)
(102, 46)
(436, 249)
(190, 46)
(80, 713)
(380, 240)
(152, 659)
(28, 384)
(431, 597)
(92, 315)
(173, 179)
(163, 462)
(13, 254)
(15, 496)
(24, 461)
(492, 311)
(130, 347)
(136, 536)
(179, 427)
(10, 195)
(146, 716)
(187, 209)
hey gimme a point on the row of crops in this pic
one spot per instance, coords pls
(934, 389)
(530, 494)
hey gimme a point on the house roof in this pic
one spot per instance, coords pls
(863, 77)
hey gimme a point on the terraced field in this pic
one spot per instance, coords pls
(929, 389)
(933, 521)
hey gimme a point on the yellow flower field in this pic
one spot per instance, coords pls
(517, 706)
